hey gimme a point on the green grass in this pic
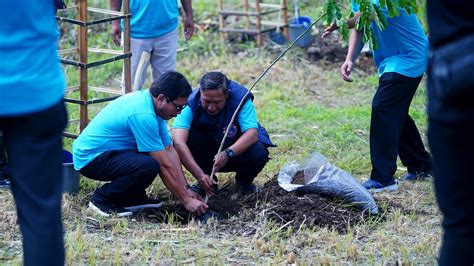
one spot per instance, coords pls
(305, 108)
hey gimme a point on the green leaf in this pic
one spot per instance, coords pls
(380, 18)
(345, 32)
(375, 44)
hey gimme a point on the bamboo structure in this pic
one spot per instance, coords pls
(254, 14)
(82, 50)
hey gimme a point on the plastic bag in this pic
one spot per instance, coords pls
(323, 178)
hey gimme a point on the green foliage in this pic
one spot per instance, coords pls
(370, 12)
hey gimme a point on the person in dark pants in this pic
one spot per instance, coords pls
(451, 124)
(401, 61)
(128, 144)
(4, 175)
(32, 118)
(199, 129)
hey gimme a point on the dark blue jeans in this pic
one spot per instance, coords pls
(34, 147)
(129, 172)
(451, 138)
(246, 165)
(392, 131)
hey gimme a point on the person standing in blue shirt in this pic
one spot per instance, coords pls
(199, 129)
(32, 119)
(401, 59)
(154, 29)
(128, 144)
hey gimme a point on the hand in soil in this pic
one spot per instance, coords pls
(346, 70)
(193, 194)
(207, 184)
(195, 206)
(220, 161)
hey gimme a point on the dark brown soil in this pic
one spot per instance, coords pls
(308, 210)
(298, 179)
(331, 51)
(278, 205)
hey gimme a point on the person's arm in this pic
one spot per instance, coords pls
(247, 119)
(173, 180)
(355, 46)
(116, 5)
(188, 20)
(180, 138)
(247, 139)
(332, 27)
(174, 157)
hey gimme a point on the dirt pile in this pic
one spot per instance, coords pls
(310, 210)
(331, 51)
(275, 203)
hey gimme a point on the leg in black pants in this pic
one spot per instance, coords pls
(130, 173)
(248, 165)
(451, 138)
(34, 148)
(392, 131)
(4, 176)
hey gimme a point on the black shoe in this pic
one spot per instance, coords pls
(417, 175)
(208, 215)
(4, 183)
(107, 209)
(135, 203)
(246, 189)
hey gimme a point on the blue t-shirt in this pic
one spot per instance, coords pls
(247, 118)
(152, 18)
(403, 45)
(31, 78)
(127, 123)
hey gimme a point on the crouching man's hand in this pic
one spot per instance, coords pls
(195, 206)
(207, 184)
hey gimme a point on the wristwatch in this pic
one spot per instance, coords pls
(229, 153)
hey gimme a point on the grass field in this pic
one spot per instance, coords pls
(306, 108)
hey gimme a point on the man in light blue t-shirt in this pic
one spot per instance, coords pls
(154, 29)
(128, 144)
(199, 129)
(32, 119)
(401, 59)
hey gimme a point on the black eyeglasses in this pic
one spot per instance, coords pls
(179, 108)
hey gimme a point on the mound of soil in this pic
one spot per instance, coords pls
(280, 206)
(331, 51)
(308, 210)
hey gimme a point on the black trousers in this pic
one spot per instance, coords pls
(34, 146)
(246, 165)
(392, 131)
(3, 158)
(451, 138)
(129, 172)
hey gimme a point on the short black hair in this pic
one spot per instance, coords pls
(214, 80)
(172, 85)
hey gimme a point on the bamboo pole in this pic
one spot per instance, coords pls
(221, 20)
(83, 54)
(285, 19)
(126, 46)
(259, 25)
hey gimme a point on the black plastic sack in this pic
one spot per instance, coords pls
(323, 178)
